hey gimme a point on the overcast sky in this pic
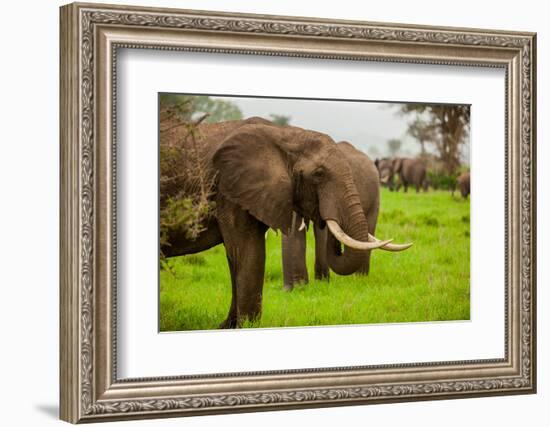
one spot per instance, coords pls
(367, 125)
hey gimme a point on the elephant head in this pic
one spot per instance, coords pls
(386, 171)
(272, 171)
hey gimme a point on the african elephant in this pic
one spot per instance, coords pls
(262, 173)
(386, 172)
(410, 172)
(463, 183)
(365, 177)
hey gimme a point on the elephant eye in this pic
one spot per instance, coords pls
(319, 173)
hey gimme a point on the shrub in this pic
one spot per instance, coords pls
(186, 189)
(441, 181)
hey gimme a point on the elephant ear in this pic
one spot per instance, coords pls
(397, 164)
(253, 173)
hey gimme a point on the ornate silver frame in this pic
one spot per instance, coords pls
(90, 36)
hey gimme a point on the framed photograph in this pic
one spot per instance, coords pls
(266, 212)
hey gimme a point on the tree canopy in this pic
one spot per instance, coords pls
(394, 145)
(189, 107)
(280, 119)
(444, 127)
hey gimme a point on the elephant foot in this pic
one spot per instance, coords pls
(299, 280)
(229, 323)
(322, 275)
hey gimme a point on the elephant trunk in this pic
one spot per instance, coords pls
(348, 226)
(354, 224)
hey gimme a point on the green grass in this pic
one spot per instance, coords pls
(429, 282)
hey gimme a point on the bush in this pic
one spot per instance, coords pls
(185, 215)
(185, 186)
(441, 181)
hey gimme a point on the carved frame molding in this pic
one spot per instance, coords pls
(90, 37)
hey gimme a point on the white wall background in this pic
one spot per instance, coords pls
(29, 170)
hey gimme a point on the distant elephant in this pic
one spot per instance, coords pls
(262, 174)
(463, 183)
(365, 177)
(410, 172)
(386, 172)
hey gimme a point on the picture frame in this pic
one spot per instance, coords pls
(91, 35)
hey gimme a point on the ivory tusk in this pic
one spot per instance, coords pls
(302, 225)
(391, 247)
(350, 242)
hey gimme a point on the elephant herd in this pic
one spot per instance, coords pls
(413, 172)
(408, 171)
(286, 178)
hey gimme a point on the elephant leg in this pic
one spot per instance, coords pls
(321, 261)
(372, 218)
(294, 255)
(405, 187)
(231, 321)
(244, 241)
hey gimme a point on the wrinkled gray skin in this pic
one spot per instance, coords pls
(463, 183)
(264, 173)
(365, 177)
(408, 171)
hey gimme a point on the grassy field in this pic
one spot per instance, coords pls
(429, 282)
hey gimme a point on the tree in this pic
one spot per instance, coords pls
(394, 145)
(373, 151)
(446, 127)
(280, 120)
(422, 132)
(218, 110)
(188, 107)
